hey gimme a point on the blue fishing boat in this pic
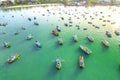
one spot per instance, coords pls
(58, 63)
(85, 49)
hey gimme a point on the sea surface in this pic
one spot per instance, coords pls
(39, 63)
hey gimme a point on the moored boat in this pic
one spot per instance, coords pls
(29, 37)
(16, 33)
(75, 38)
(81, 62)
(23, 28)
(38, 44)
(85, 49)
(105, 43)
(117, 33)
(58, 63)
(36, 23)
(60, 40)
(108, 34)
(6, 45)
(58, 28)
(29, 19)
(13, 58)
(90, 38)
(54, 32)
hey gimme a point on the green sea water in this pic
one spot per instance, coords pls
(39, 64)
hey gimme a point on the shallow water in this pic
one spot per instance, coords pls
(34, 63)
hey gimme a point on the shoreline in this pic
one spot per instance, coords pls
(29, 6)
(44, 5)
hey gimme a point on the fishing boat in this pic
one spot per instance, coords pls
(29, 37)
(66, 24)
(58, 63)
(81, 62)
(75, 38)
(58, 28)
(36, 23)
(23, 28)
(13, 58)
(108, 34)
(38, 44)
(85, 49)
(29, 19)
(117, 33)
(90, 38)
(105, 43)
(60, 40)
(54, 32)
(6, 45)
(16, 33)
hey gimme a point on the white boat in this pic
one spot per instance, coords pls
(60, 40)
(90, 38)
(75, 38)
(85, 49)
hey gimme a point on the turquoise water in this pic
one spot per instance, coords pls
(34, 63)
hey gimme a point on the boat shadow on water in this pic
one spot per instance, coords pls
(2, 48)
(72, 42)
(5, 65)
(51, 36)
(118, 70)
(57, 45)
(78, 70)
(52, 71)
(35, 48)
(104, 48)
(88, 42)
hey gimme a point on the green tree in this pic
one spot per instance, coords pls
(18, 1)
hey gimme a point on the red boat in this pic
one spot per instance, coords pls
(54, 32)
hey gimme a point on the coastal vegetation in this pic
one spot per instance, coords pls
(65, 2)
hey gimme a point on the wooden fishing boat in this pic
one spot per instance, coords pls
(58, 63)
(54, 32)
(75, 38)
(90, 38)
(60, 40)
(13, 58)
(85, 49)
(105, 43)
(81, 62)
